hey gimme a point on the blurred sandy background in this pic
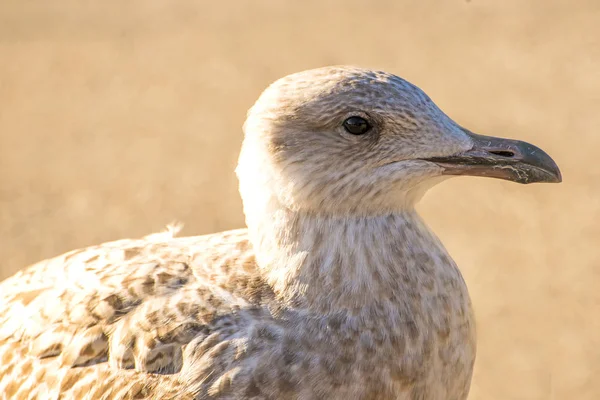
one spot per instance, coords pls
(117, 117)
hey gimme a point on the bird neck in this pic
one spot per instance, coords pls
(333, 263)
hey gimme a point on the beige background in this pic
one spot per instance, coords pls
(117, 117)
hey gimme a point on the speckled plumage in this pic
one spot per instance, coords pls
(337, 290)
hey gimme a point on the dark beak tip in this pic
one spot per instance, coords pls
(549, 172)
(555, 176)
(558, 180)
(546, 176)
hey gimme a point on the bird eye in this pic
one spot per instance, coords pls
(356, 125)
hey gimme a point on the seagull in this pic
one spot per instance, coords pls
(335, 290)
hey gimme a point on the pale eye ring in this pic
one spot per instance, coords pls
(356, 125)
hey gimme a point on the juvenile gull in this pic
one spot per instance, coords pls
(337, 289)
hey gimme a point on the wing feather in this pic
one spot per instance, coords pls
(121, 315)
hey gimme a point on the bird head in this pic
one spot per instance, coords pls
(345, 140)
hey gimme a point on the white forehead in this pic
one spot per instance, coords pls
(339, 79)
(332, 88)
(341, 82)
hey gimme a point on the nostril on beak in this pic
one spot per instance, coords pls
(502, 153)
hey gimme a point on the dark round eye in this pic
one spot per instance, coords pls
(356, 125)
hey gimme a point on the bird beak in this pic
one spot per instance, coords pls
(512, 160)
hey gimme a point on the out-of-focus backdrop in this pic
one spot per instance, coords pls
(117, 117)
